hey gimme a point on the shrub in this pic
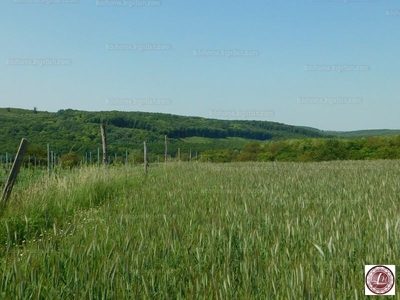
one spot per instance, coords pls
(70, 160)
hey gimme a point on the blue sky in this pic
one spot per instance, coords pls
(282, 65)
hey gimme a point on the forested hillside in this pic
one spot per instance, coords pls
(212, 140)
(79, 131)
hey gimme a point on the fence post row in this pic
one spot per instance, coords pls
(52, 157)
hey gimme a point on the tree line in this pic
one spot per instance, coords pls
(308, 150)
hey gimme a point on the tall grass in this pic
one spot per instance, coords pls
(202, 231)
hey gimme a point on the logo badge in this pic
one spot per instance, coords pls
(380, 279)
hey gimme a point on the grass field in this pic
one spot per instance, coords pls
(201, 231)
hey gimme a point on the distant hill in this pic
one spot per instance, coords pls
(79, 131)
(364, 133)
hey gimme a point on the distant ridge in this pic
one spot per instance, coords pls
(79, 130)
(364, 133)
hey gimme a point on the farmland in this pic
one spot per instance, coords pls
(275, 230)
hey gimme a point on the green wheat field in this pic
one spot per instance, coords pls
(201, 231)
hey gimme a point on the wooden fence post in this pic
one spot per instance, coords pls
(145, 156)
(14, 172)
(166, 150)
(179, 154)
(48, 160)
(104, 140)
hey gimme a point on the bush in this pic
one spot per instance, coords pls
(250, 152)
(217, 156)
(70, 160)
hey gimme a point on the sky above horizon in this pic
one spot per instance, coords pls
(332, 65)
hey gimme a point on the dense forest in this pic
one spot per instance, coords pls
(72, 131)
(79, 131)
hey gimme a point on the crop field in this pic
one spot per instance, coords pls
(201, 231)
